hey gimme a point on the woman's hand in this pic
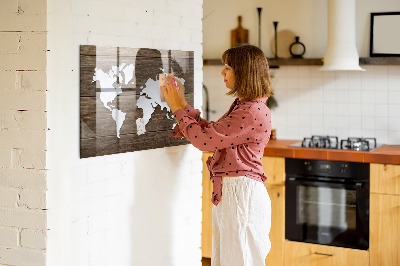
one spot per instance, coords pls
(174, 94)
(181, 91)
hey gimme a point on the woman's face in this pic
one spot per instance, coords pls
(229, 76)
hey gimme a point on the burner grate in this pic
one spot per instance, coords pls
(332, 142)
(327, 142)
(358, 144)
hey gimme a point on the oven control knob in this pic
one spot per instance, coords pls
(308, 166)
(343, 168)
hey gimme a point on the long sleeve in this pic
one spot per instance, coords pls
(193, 113)
(231, 130)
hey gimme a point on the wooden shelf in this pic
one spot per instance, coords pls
(380, 61)
(212, 62)
(273, 63)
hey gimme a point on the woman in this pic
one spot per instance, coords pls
(242, 208)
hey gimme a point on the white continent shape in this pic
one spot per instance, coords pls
(110, 89)
(149, 99)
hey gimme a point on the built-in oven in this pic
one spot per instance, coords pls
(327, 202)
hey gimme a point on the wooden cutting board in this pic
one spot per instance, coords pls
(239, 35)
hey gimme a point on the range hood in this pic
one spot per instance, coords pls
(341, 51)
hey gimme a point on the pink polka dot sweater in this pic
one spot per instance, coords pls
(238, 139)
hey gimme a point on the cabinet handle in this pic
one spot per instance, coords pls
(324, 254)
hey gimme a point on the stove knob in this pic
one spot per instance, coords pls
(343, 168)
(308, 166)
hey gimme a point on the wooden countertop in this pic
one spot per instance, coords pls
(389, 154)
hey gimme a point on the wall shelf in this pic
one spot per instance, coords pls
(274, 63)
(380, 61)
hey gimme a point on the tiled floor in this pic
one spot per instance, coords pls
(206, 261)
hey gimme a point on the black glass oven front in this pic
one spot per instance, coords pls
(327, 202)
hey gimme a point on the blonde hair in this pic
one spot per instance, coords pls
(250, 66)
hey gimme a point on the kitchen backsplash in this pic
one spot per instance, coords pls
(314, 102)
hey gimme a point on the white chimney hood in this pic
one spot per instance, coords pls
(341, 51)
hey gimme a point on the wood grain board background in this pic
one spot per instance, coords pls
(98, 131)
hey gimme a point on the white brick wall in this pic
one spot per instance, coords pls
(22, 132)
(8, 197)
(23, 256)
(138, 208)
(9, 237)
(34, 239)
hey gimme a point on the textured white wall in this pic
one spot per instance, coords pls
(138, 208)
(23, 133)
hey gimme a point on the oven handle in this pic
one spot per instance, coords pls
(357, 185)
(324, 254)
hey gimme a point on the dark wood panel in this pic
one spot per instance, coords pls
(92, 147)
(94, 115)
(98, 128)
(102, 62)
(96, 119)
(94, 50)
(89, 87)
(144, 69)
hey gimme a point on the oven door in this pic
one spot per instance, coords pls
(327, 213)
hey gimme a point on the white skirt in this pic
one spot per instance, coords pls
(241, 223)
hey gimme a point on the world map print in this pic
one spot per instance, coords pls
(122, 107)
(148, 100)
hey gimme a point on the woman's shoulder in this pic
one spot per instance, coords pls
(252, 109)
(256, 104)
(259, 109)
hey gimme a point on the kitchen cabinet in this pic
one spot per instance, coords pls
(305, 254)
(385, 214)
(277, 233)
(385, 178)
(385, 230)
(274, 168)
(206, 225)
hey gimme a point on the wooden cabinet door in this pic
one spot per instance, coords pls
(274, 168)
(304, 254)
(384, 236)
(277, 233)
(385, 178)
(206, 225)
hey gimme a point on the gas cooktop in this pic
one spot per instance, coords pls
(332, 142)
